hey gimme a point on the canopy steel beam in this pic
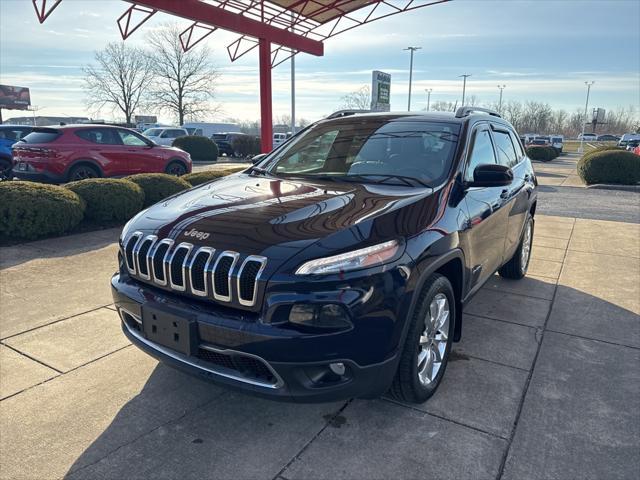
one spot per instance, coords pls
(42, 11)
(205, 13)
(124, 21)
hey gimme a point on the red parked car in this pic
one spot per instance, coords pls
(74, 152)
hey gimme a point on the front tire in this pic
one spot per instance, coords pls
(176, 168)
(425, 353)
(516, 268)
(82, 172)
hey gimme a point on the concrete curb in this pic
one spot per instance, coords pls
(608, 186)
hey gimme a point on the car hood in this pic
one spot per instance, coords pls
(276, 218)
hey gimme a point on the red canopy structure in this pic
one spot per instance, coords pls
(278, 28)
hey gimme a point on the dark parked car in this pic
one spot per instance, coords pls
(340, 264)
(9, 134)
(608, 138)
(225, 143)
(74, 152)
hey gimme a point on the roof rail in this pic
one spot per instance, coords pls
(346, 113)
(466, 111)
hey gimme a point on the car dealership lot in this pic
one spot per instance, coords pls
(527, 395)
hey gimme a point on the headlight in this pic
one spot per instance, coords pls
(362, 258)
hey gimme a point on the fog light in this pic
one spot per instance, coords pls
(337, 368)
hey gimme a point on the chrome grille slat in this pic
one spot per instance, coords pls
(141, 256)
(198, 271)
(129, 250)
(234, 259)
(209, 253)
(181, 266)
(161, 253)
(251, 259)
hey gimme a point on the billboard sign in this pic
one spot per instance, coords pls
(146, 119)
(598, 115)
(380, 91)
(14, 98)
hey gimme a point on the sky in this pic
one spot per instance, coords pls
(542, 50)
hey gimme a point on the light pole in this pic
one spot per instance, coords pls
(428, 90)
(501, 87)
(584, 121)
(464, 86)
(411, 49)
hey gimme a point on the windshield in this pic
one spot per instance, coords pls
(152, 132)
(370, 150)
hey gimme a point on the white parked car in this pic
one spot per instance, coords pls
(590, 137)
(165, 135)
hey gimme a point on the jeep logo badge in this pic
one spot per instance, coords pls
(195, 233)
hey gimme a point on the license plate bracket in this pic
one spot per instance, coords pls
(172, 331)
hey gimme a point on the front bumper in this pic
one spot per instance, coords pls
(240, 352)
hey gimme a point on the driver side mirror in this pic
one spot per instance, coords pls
(491, 175)
(257, 158)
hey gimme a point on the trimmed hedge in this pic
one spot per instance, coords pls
(31, 210)
(197, 178)
(246, 145)
(109, 199)
(158, 186)
(610, 166)
(542, 153)
(201, 149)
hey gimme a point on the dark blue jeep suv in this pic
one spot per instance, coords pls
(340, 264)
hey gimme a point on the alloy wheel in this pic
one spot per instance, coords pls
(83, 173)
(433, 341)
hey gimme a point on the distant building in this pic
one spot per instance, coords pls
(44, 121)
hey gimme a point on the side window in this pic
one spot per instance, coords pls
(504, 146)
(165, 134)
(130, 139)
(101, 136)
(481, 152)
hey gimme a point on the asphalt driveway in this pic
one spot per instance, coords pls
(545, 384)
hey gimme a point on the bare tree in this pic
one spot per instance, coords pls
(119, 79)
(184, 81)
(443, 106)
(358, 100)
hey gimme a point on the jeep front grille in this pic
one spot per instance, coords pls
(200, 271)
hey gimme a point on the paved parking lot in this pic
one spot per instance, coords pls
(545, 384)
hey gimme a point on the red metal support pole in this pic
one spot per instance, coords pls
(266, 113)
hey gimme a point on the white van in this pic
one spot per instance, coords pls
(204, 129)
(280, 138)
(557, 142)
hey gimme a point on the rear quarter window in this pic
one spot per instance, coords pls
(42, 136)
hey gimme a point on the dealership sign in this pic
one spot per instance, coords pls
(14, 98)
(380, 91)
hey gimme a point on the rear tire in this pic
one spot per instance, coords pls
(426, 349)
(82, 172)
(516, 268)
(176, 168)
(5, 169)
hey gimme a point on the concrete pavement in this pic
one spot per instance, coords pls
(545, 383)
